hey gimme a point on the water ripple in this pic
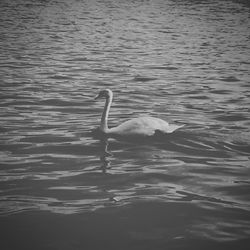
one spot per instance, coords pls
(186, 62)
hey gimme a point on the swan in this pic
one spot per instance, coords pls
(141, 126)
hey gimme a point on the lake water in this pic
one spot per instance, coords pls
(187, 62)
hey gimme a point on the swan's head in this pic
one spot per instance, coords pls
(106, 93)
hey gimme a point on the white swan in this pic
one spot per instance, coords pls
(142, 126)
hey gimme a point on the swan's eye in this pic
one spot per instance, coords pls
(103, 94)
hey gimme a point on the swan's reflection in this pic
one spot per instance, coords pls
(105, 155)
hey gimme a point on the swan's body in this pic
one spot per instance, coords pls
(141, 126)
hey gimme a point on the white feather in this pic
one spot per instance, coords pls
(141, 126)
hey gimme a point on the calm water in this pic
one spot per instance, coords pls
(183, 61)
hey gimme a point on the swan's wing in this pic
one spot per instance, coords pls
(143, 126)
(156, 124)
(133, 127)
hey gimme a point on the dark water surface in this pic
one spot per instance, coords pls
(183, 61)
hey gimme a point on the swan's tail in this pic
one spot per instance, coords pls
(171, 128)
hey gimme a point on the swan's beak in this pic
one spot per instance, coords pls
(97, 97)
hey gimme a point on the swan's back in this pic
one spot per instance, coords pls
(143, 126)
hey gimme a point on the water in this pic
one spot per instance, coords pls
(183, 61)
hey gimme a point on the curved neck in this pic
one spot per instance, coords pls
(105, 114)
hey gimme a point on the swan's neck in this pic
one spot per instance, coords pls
(105, 114)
